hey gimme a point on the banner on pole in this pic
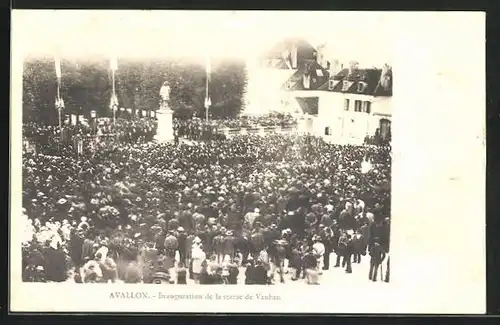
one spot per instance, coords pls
(208, 102)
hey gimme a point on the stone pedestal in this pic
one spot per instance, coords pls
(165, 129)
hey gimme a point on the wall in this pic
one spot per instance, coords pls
(349, 126)
(381, 108)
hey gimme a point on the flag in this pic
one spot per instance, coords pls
(58, 67)
(113, 102)
(113, 64)
(208, 102)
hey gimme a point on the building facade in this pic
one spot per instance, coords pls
(340, 102)
(354, 104)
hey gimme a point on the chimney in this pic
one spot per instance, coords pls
(385, 77)
(294, 56)
(335, 67)
(320, 57)
(353, 66)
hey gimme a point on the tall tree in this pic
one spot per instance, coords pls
(86, 85)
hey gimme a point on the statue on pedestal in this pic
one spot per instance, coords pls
(165, 96)
(164, 131)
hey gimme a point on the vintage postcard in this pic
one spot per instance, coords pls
(247, 162)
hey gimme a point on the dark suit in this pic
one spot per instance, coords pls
(377, 256)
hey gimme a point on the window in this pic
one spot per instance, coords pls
(327, 131)
(331, 84)
(361, 87)
(346, 85)
(366, 107)
(346, 104)
(319, 73)
(357, 105)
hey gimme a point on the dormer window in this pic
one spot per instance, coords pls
(331, 84)
(361, 87)
(307, 81)
(346, 85)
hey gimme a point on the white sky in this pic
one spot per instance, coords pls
(362, 36)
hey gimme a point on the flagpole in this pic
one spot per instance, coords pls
(58, 100)
(208, 69)
(114, 96)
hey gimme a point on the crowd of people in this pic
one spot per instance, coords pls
(265, 120)
(250, 207)
(197, 130)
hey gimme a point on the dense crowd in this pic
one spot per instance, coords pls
(266, 120)
(198, 130)
(147, 212)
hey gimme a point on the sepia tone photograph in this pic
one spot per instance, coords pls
(270, 168)
(170, 160)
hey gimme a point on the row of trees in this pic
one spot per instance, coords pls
(86, 86)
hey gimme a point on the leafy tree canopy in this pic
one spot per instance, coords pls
(87, 85)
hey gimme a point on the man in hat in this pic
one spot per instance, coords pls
(310, 264)
(219, 244)
(377, 255)
(326, 235)
(171, 247)
(233, 271)
(279, 257)
(230, 245)
(257, 242)
(250, 271)
(182, 238)
(260, 273)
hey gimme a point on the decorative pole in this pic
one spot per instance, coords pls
(114, 100)
(208, 102)
(59, 103)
